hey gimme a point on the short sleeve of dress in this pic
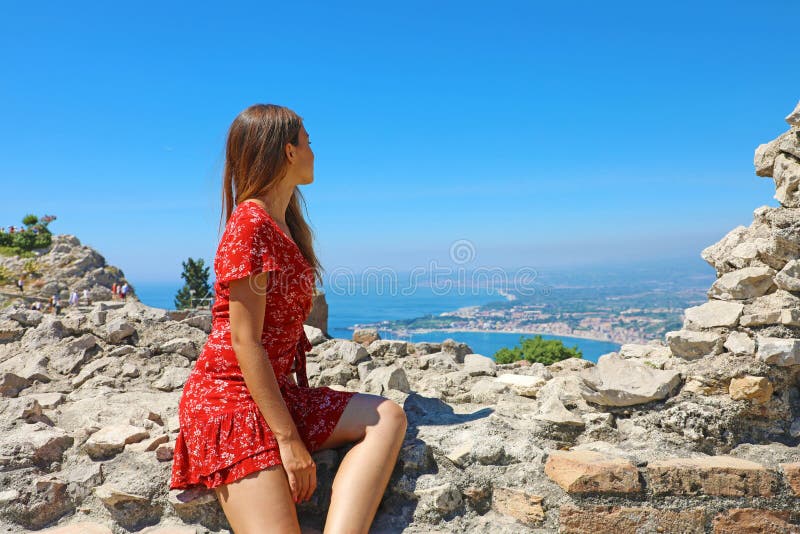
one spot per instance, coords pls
(246, 247)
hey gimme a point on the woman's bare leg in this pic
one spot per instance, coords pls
(378, 425)
(259, 503)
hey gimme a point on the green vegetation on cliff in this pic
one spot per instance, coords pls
(536, 349)
(23, 241)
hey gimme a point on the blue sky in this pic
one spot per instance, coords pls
(545, 133)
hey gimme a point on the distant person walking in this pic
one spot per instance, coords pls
(55, 304)
(20, 285)
(113, 291)
(124, 290)
(86, 296)
(74, 300)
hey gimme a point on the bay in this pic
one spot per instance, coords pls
(349, 308)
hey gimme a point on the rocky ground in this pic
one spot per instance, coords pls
(695, 433)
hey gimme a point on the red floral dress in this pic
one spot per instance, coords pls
(223, 435)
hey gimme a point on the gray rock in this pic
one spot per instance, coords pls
(456, 350)
(388, 348)
(118, 329)
(786, 173)
(524, 385)
(478, 365)
(425, 347)
(691, 345)
(616, 381)
(488, 391)
(714, 313)
(778, 351)
(764, 157)
(365, 367)
(127, 509)
(129, 370)
(90, 369)
(438, 361)
(789, 142)
(384, 378)
(181, 345)
(793, 118)
(315, 335)
(26, 317)
(552, 410)
(444, 498)
(172, 378)
(110, 440)
(347, 351)
(198, 505)
(740, 343)
(789, 277)
(340, 375)
(201, 321)
(69, 356)
(35, 444)
(47, 400)
(742, 284)
(352, 353)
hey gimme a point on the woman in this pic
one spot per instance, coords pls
(246, 427)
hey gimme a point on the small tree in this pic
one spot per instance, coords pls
(536, 349)
(196, 288)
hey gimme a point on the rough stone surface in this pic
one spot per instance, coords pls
(695, 433)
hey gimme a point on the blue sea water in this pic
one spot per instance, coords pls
(349, 308)
(487, 343)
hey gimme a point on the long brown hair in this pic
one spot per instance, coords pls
(255, 161)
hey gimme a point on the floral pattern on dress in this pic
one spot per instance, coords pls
(223, 435)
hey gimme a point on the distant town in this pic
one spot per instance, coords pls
(642, 308)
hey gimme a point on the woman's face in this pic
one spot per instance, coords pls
(303, 160)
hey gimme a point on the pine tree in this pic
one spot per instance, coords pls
(196, 288)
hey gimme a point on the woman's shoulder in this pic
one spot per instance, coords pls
(248, 244)
(247, 222)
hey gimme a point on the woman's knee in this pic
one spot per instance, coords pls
(393, 416)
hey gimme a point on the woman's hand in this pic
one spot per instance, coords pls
(300, 468)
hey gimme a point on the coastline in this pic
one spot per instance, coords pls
(513, 331)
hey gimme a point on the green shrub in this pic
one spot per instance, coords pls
(6, 275)
(535, 349)
(22, 242)
(30, 267)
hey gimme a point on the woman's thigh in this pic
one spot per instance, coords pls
(364, 410)
(259, 503)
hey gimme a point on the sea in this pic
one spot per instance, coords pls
(349, 308)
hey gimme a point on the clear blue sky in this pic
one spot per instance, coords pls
(546, 133)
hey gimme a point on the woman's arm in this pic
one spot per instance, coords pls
(246, 308)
